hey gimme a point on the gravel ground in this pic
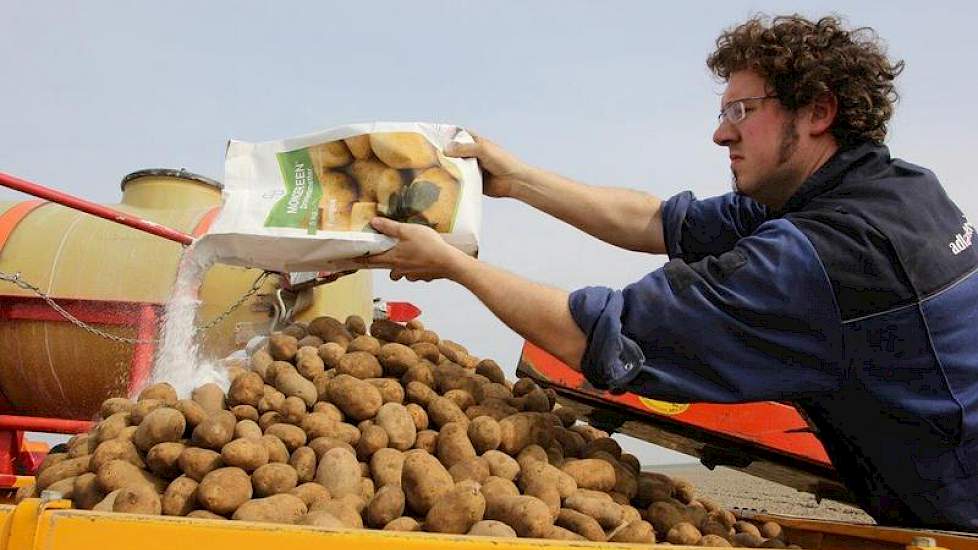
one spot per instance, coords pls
(733, 489)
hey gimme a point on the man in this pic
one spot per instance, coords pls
(835, 277)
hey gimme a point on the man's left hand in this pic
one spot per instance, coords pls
(421, 254)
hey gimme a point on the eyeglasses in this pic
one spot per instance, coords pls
(736, 110)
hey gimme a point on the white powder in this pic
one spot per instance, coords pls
(177, 360)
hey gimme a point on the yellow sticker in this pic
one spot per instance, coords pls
(664, 407)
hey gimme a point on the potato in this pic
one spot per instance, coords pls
(322, 518)
(293, 436)
(86, 493)
(771, 530)
(360, 364)
(456, 511)
(307, 360)
(293, 384)
(491, 370)
(274, 478)
(247, 428)
(496, 488)
(357, 399)
(396, 359)
(282, 347)
(339, 472)
(724, 517)
(64, 469)
(540, 470)
(332, 154)
(246, 389)
(303, 460)
(193, 413)
(111, 450)
(714, 541)
(215, 431)
(391, 390)
(386, 467)
(424, 480)
(607, 514)
(474, 469)
(331, 353)
(683, 533)
(427, 441)
(269, 418)
(309, 341)
(442, 411)
(272, 401)
(409, 336)
(372, 438)
(399, 425)
(528, 516)
(485, 434)
(137, 499)
(210, 396)
(664, 516)
(310, 492)
(636, 532)
(143, 408)
(713, 527)
(527, 428)
(422, 394)
(582, 524)
(321, 445)
(773, 543)
(111, 426)
(106, 504)
(425, 350)
(248, 454)
(418, 416)
(501, 465)
(50, 460)
(365, 343)
(162, 391)
(559, 533)
(545, 492)
(747, 539)
(330, 410)
(360, 148)
(420, 373)
(160, 425)
(591, 473)
(454, 445)
(747, 527)
(279, 508)
(386, 506)
(81, 445)
(345, 512)
(329, 329)
(163, 459)
(491, 528)
(377, 182)
(223, 490)
(196, 463)
(115, 405)
(180, 497)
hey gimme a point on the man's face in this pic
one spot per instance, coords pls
(763, 145)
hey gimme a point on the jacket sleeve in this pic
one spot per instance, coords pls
(695, 229)
(758, 322)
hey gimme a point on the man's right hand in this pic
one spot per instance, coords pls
(501, 171)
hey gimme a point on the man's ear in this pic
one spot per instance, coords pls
(823, 112)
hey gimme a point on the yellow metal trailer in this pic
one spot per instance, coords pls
(36, 524)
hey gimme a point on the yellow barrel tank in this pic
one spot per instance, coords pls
(118, 279)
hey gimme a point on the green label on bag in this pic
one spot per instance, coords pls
(299, 207)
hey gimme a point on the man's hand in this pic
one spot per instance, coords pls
(421, 254)
(501, 171)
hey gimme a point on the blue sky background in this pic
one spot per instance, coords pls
(612, 93)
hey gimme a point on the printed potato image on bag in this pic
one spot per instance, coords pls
(305, 204)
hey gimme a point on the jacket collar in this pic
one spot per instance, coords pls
(832, 173)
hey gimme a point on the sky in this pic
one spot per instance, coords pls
(608, 93)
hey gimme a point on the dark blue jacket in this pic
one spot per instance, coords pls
(858, 302)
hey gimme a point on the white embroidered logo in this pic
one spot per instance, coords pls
(962, 240)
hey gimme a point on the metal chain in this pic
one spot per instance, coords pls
(15, 279)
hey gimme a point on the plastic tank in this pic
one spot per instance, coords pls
(117, 276)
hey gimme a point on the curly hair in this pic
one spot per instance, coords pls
(802, 60)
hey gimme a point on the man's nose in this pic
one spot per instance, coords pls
(725, 134)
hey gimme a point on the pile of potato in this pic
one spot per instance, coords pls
(399, 175)
(330, 426)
